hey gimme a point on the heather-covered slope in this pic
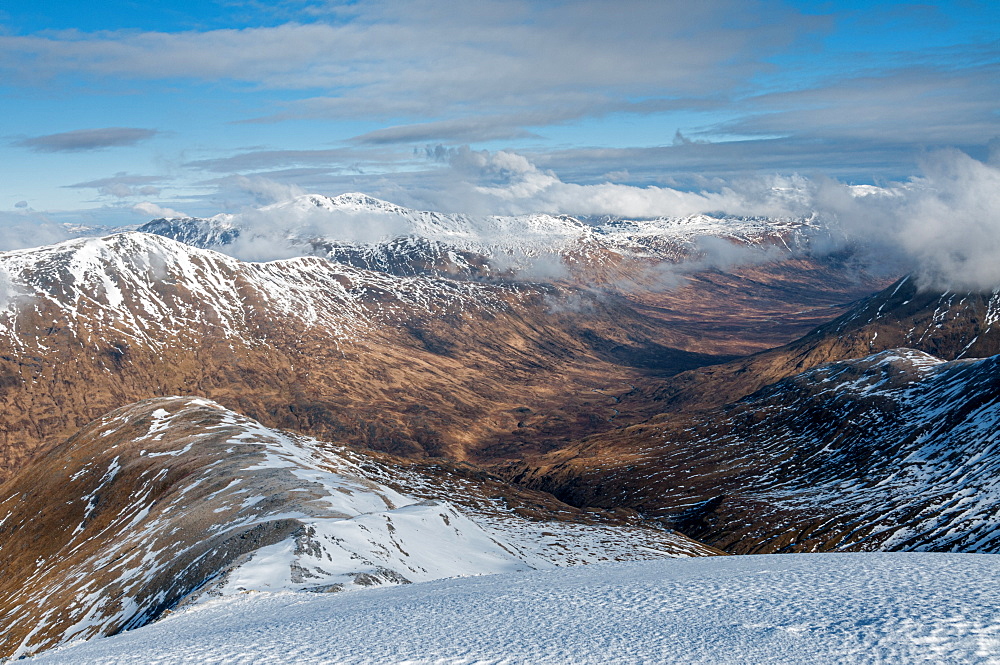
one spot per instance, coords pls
(947, 325)
(896, 451)
(174, 500)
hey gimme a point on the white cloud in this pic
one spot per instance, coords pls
(156, 211)
(944, 225)
(262, 190)
(26, 228)
(504, 182)
(403, 60)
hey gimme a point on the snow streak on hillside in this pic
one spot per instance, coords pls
(149, 289)
(810, 609)
(910, 451)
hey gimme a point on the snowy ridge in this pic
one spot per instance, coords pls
(149, 289)
(541, 233)
(177, 500)
(362, 221)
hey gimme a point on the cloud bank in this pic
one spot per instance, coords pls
(943, 225)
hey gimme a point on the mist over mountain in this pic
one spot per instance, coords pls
(532, 244)
(940, 226)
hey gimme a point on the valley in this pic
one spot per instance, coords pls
(181, 425)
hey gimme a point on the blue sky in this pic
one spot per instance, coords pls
(114, 111)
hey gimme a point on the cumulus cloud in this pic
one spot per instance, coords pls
(262, 190)
(87, 139)
(505, 182)
(944, 225)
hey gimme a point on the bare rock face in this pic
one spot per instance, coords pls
(174, 500)
(896, 451)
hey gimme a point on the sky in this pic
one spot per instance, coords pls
(119, 112)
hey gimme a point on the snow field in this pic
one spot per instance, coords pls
(814, 608)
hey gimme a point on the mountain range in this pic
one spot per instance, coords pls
(397, 396)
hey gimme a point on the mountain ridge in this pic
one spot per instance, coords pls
(177, 500)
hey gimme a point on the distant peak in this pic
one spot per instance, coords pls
(355, 201)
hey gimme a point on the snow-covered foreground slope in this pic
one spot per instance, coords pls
(176, 500)
(832, 608)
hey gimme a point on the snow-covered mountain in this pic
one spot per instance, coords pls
(143, 288)
(210, 233)
(410, 364)
(354, 224)
(524, 235)
(177, 500)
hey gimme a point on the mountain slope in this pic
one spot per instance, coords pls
(417, 365)
(677, 269)
(897, 451)
(177, 500)
(947, 325)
